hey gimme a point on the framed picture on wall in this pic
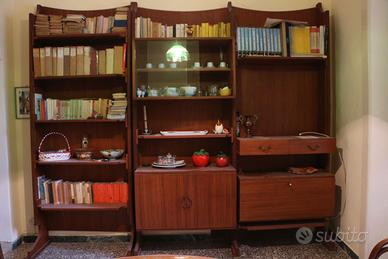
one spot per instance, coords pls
(22, 102)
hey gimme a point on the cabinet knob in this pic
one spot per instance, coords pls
(313, 147)
(265, 148)
(186, 203)
(290, 184)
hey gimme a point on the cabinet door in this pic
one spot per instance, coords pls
(185, 201)
(286, 198)
(213, 198)
(159, 201)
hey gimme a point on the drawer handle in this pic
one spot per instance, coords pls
(313, 147)
(290, 184)
(186, 203)
(265, 148)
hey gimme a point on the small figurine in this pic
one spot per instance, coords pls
(219, 128)
(85, 142)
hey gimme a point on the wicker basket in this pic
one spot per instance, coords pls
(54, 155)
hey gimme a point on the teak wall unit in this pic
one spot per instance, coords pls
(102, 134)
(188, 198)
(289, 95)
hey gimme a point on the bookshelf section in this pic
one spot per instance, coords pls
(79, 84)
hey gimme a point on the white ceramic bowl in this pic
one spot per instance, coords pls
(112, 153)
(189, 90)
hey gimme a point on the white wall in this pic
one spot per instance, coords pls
(349, 18)
(377, 184)
(7, 231)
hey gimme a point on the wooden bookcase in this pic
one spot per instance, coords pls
(186, 198)
(102, 134)
(290, 95)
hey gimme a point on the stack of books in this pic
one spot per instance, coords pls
(118, 107)
(78, 60)
(74, 23)
(73, 109)
(63, 192)
(120, 19)
(145, 28)
(103, 24)
(56, 24)
(42, 25)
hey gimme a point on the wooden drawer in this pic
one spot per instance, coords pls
(312, 146)
(271, 198)
(262, 146)
(201, 200)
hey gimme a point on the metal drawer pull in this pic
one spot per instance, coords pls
(186, 203)
(265, 148)
(313, 147)
(290, 184)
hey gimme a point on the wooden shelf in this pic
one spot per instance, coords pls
(106, 76)
(160, 136)
(61, 39)
(278, 59)
(82, 207)
(186, 169)
(78, 121)
(83, 162)
(282, 225)
(182, 70)
(205, 39)
(260, 175)
(168, 98)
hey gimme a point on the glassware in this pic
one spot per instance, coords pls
(212, 90)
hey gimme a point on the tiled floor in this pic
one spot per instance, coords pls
(249, 250)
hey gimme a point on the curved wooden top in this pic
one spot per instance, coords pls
(249, 17)
(40, 9)
(190, 17)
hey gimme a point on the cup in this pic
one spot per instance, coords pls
(172, 65)
(149, 65)
(153, 92)
(222, 64)
(210, 64)
(161, 65)
(197, 64)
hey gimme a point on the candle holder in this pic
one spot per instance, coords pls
(248, 121)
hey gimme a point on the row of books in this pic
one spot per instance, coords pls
(78, 60)
(78, 23)
(73, 109)
(64, 192)
(256, 41)
(117, 107)
(146, 28)
(283, 39)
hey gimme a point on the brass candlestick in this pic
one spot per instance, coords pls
(248, 121)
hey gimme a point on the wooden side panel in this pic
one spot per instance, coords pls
(286, 198)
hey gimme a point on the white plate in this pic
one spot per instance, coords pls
(168, 166)
(183, 133)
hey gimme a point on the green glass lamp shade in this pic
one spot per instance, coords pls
(177, 53)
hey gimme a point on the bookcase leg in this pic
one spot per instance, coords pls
(40, 243)
(131, 244)
(137, 249)
(235, 248)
